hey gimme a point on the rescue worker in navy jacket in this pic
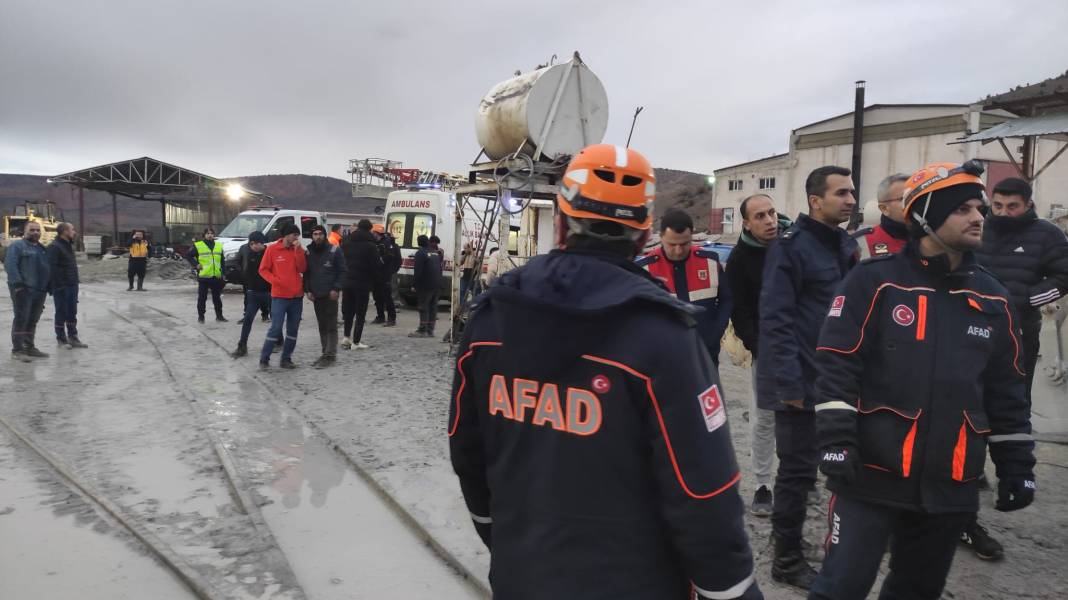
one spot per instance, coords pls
(920, 369)
(587, 423)
(694, 275)
(801, 272)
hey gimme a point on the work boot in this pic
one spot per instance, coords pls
(346, 343)
(74, 342)
(378, 321)
(287, 364)
(323, 361)
(130, 289)
(61, 341)
(20, 355)
(200, 319)
(139, 288)
(985, 547)
(391, 323)
(33, 352)
(762, 500)
(242, 350)
(221, 319)
(789, 565)
(264, 365)
(418, 334)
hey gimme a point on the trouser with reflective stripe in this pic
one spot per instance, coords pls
(287, 311)
(921, 544)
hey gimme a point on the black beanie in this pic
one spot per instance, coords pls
(289, 228)
(943, 202)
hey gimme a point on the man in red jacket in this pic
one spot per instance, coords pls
(283, 267)
(891, 234)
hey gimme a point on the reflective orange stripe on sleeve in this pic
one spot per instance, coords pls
(463, 380)
(921, 322)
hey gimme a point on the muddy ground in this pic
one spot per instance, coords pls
(384, 407)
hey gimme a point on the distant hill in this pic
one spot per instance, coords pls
(689, 191)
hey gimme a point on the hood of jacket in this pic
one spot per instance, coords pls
(749, 240)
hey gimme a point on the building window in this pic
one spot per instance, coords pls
(734, 185)
(767, 183)
(728, 220)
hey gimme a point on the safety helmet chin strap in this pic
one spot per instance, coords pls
(922, 221)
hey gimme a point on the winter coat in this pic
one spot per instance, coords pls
(745, 277)
(27, 266)
(699, 280)
(283, 269)
(390, 253)
(801, 272)
(920, 368)
(588, 427)
(326, 270)
(1030, 256)
(888, 237)
(249, 262)
(362, 262)
(427, 267)
(62, 264)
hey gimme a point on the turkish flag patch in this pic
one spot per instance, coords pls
(712, 408)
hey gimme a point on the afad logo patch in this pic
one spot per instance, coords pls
(712, 408)
(836, 306)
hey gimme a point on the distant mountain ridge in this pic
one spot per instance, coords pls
(687, 190)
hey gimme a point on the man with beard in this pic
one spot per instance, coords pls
(322, 284)
(206, 257)
(63, 267)
(26, 263)
(920, 370)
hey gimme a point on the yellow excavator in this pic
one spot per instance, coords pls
(35, 212)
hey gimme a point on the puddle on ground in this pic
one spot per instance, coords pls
(158, 475)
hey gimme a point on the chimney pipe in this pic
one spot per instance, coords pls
(858, 147)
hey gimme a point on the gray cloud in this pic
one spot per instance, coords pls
(248, 87)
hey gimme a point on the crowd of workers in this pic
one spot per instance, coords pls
(587, 422)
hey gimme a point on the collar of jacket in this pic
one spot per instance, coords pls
(938, 265)
(896, 230)
(749, 240)
(319, 248)
(1012, 223)
(829, 236)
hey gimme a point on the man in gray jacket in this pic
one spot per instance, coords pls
(322, 284)
(28, 277)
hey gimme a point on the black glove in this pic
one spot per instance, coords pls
(840, 462)
(1015, 493)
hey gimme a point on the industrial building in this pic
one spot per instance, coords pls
(903, 138)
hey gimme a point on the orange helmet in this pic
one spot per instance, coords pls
(609, 183)
(939, 176)
(378, 228)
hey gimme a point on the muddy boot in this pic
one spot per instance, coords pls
(789, 565)
(221, 319)
(287, 364)
(323, 361)
(33, 352)
(265, 366)
(20, 355)
(242, 350)
(390, 324)
(378, 321)
(74, 342)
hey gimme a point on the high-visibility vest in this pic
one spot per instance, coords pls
(210, 259)
(139, 249)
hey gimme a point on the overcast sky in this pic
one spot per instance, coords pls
(242, 87)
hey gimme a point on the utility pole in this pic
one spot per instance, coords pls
(858, 148)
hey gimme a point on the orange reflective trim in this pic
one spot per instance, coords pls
(972, 303)
(871, 307)
(524, 395)
(583, 412)
(959, 452)
(1012, 330)
(463, 379)
(921, 323)
(663, 430)
(906, 450)
(499, 402)
(549, 408)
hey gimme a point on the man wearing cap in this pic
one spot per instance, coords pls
(206, 256)
(282, 267)
(390, 254)
(257, 290)
(920, 370)
(322, 284)
(588, 426)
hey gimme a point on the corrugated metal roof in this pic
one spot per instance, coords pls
(1052, 124)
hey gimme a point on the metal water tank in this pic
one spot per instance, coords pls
(561, 108)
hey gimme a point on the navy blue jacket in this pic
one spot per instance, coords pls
(918, 373)
(801, 272)
(27, 266)
(588, 429)
(326, 270)
(426, 269)
(62, 264)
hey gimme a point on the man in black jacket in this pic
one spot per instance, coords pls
(389, 252)
(761, 225)
(242, 260)
(426, 280)
(801, 272)
(322, 284)
(363, 267)
(588, 426)
(257, 290)
(919, 371)
(64, 268)
(1029, 255)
